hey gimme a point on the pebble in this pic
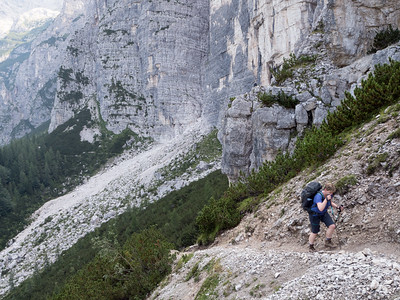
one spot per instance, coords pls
(339, 275)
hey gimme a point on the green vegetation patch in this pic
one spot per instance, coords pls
(173, 215)
(208, 288)
(183, 260)
(344, 184)
(286, 70)
(394, 135)
(194, 273)
(249, 205)
(72, 97)
(43, 166)
(375, 162)
(130, 272)
(267, 99)
(385, 38)
(122, 96)
(67, 76)
(208, 149)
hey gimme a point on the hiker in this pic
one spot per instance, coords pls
(319, 213)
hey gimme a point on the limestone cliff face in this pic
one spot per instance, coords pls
(247, 40)
(159, 66)
(140, 62)
(252, 133)
(28, 77)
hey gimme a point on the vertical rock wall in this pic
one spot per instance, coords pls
(142, 61)
(158, 66)
(247, 38)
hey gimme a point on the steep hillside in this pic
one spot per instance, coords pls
(266, 255)
(136, 177)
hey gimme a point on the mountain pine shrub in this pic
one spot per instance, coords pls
(385, 38)
(127, 273)
(286, 70)
(267, 99)
(380, 89)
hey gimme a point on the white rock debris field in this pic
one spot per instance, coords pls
(59, 223)
(247, 271)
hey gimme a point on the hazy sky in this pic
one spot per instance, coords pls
(10, 10)
(20, 6)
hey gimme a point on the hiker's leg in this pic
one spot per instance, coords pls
(312, 237)
(314, 221)
(329, 224)
(330, 230)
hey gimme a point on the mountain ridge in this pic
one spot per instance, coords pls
(13, 14)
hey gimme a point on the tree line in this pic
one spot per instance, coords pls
(42, 166)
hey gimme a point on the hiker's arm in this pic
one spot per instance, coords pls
(321, 205)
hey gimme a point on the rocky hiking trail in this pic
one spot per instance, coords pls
(266, 256)
(254, 270)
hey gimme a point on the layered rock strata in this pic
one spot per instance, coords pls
(140, 61)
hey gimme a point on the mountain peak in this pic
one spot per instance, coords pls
(25, 15)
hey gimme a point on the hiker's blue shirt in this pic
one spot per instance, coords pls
(319, 198)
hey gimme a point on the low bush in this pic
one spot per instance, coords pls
(385, 38)
(380, 89)
(267, 99)
(344, 184)
(375, 162)
(286, 70)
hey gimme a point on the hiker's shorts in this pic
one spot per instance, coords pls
(316, 219)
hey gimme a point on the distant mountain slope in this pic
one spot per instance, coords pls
(33, 60)
(128, 181)
(13, 14)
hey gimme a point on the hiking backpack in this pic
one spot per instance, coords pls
(308, 193)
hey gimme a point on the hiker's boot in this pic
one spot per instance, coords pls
(329, 243)
(311, 248)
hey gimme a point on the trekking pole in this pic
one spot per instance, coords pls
(337, 229)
